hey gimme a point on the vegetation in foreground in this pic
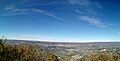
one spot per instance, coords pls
(103, 56)
(24, 53)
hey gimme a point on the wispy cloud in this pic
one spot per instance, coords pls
(39, 4)
(10, 7)
(79, 2)
(78, 11)
(44, 4)
(98, 5)
(86, 6)
(93, 21)
(85, 3)
(12, 10)
(46, 13)
(113, 24)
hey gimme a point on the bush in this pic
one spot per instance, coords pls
(24, 53)
(102, 56)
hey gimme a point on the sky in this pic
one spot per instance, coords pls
(61, 20)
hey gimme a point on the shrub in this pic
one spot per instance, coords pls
(24, 53)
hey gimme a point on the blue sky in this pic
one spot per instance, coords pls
(61, 20)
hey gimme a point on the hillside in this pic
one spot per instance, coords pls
(67, 51)
(25, 53)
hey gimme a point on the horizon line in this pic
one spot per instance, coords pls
(66, 41)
